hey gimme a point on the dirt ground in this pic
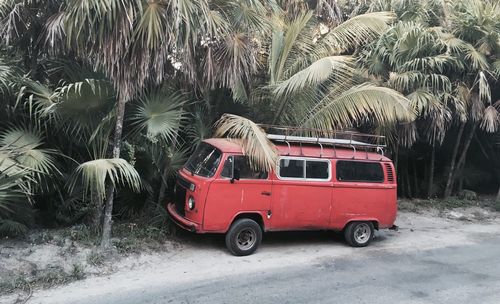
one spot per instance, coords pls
(32, 270)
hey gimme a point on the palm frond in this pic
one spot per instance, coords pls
(435, 64)
(199, 127)
(159, 115)
(151, 29)
(412, 80)
(8, 74)
(424, 102)
(12, 228)
(339, 67)
(359, 104)
(476, 59)
(496, 69)
(78, 107)
(11, 194)
(357, 31)
(491, 120)
(484, 87)
(96, 173)
(283, 43)
(27, 144)
(261, 152)
(237, 55)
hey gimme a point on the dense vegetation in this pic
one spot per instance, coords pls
(102, 100)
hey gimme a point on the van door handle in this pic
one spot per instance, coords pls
(266, 193)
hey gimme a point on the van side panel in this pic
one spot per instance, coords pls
(363, 201)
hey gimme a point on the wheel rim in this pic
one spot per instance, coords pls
(246, 239)
(362, 233)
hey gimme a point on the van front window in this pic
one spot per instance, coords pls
(204, 161)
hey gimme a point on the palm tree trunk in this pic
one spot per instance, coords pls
(430, 179)
(108, 209)
(448, 188)
(461, 160)
(96, 220)
(415, 178)
(407, 178)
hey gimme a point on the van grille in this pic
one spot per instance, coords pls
(180, 195)
(390, 173)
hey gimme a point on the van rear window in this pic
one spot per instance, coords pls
(356, 171)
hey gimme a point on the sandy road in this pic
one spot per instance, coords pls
(449, 260)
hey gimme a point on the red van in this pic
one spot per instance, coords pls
(319, 184)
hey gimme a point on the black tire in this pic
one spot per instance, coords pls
(359, 234)
(244, 237)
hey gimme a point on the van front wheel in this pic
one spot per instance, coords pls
(359, 234)
(243, 237)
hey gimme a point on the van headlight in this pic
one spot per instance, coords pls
(191, 203)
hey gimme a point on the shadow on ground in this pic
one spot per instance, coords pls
(274, 239)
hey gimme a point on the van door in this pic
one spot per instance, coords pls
(226, 198)
(302, 194)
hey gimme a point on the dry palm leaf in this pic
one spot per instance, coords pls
(260, 150)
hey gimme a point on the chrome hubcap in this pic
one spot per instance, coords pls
(362, 233)
(246, 239)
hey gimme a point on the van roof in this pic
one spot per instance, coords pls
(307, 150)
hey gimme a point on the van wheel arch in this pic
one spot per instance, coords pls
(257, 217)
(374, 223)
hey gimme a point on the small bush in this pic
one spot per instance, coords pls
(126, 246)
(496, 206)
(52, 275)
(12, 228)
(77, 272)
(467, 195)
(82, 234)
(95, 258)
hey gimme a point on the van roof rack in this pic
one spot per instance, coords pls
(347, 139)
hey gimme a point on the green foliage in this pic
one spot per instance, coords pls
(412, 70)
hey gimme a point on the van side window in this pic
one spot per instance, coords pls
(292, 168)
(357, 171)
(241, 163)
(308, 169)
(317, 169)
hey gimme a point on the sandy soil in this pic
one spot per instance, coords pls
(203, 257)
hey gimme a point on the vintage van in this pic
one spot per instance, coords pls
(319, 184)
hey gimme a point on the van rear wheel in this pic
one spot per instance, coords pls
(244, 237)
(359, 234)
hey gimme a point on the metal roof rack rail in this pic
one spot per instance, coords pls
(347, 139)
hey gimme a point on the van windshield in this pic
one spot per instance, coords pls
(204, 161)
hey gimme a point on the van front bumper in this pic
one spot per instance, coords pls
(181, 221)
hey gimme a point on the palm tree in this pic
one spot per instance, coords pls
(311, 82)
(86, 109)
(413, 59)
(476, 25)
(445, 77)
